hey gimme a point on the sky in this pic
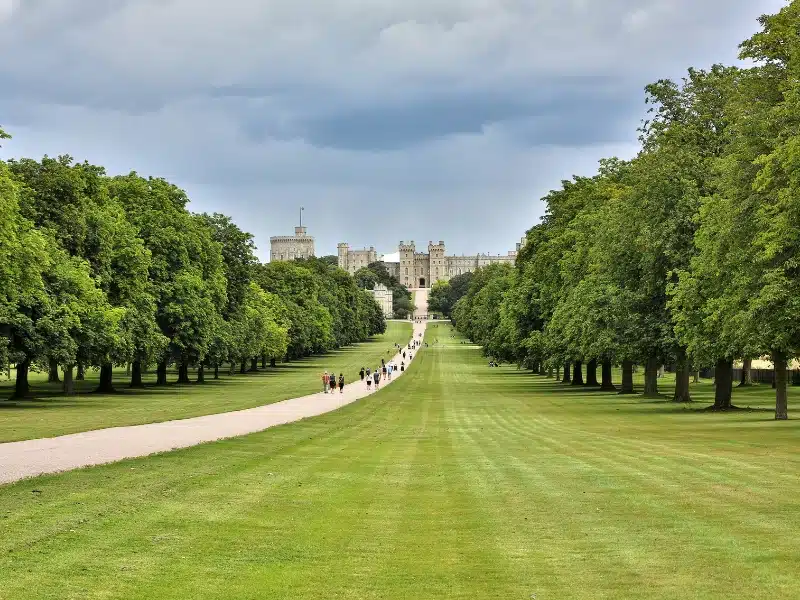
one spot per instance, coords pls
(386, 120)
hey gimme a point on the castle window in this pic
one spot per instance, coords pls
(406, 270)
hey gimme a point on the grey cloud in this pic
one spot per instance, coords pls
(453, 115)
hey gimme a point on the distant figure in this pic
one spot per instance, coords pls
(341, 383)
(389, 371)
(376, 376)
(404, 353)
(369, 382)
(361, 372)
(333, 382)
(383, 371)
(402, 366)
(325, 382)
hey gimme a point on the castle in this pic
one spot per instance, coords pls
(289, 247)
(418, 269)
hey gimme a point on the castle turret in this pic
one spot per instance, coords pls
(407, 273)
(343, 249)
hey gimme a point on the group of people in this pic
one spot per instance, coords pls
(370, 376)
(383, 373)
(329, 382)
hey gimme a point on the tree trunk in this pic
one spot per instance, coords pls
(201, 373)
(651, 378)
(542, 370)
(183, 372)
(627, 378)
(81, 375)
(535, 367)
(69, 384)
(136, 374)
(52, 371)
(263, 361)
(577, 373)
(607, 385)
(746, 378)
(21, 387)
(216, 370)
(127, 369)
(106, 379)
(558, 371)
(696, 377)
(272, 362)
(232, 368)
(723, 379)
(781, 400)
(550, 372)
(161, 373)
(254, 363)
(682, 369)
(566, 378)
(243, 367)
(591, 373)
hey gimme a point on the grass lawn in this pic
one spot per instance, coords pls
(458, 481)
(53, 414)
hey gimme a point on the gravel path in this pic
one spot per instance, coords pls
(29, 458)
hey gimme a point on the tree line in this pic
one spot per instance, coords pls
(99, 270)
(688, 254)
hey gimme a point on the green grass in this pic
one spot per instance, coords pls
(458, 481)
(52, 414)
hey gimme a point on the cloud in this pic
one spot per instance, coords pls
(422, 119)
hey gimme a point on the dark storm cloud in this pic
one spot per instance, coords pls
(453, 116)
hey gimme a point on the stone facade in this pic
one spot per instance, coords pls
(423, 269)
(353, 260)
(384, 299)
(289, 247)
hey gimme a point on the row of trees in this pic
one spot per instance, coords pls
(688, 255)
(376, 272)
(97, 271)
(444, 294)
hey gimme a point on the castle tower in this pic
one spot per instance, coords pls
(407, 274)
(343, 249)
(438, 264)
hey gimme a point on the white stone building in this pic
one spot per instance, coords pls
(383, 296)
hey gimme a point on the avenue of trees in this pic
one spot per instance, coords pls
(687, 255)
(99, 271)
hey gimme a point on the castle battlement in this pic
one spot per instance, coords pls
(423, 269)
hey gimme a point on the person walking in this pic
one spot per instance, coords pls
(376, 376)
(402, 366)
(341, 383)
(361, 372)
(333, 382)
(325, 382)
(369, 381)
(389, 371)
(383, 371)
(404, 353)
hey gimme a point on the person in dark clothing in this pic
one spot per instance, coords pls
(361, 372)
(341, 383)
(376, 376)
(333, 382)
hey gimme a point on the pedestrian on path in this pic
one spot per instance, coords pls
(361, 372)
(341, 383)
(383, 371)
(325, 382)
(389, 371)
(333, 382)
(376, 376)
(402, 367)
